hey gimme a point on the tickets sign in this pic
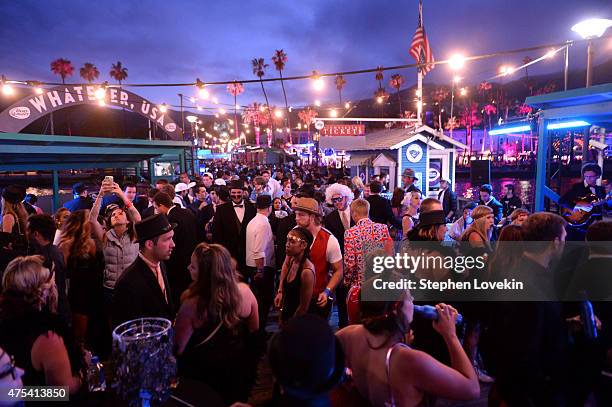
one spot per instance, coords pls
(343, 130)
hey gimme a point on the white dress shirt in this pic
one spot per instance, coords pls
(259, 241)
(345, 217)
(239, 210)
(274, 188)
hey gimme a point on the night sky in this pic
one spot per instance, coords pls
(177, 41)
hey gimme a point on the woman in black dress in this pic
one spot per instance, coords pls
(85, 270)
(297, 276)
(214, 326)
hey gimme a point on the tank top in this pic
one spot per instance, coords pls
(318, 257)
(291, 294)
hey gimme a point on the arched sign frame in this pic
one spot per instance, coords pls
(27, 110)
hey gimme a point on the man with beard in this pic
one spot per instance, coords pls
(531, 335)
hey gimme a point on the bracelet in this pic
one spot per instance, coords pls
(327, 292)
(128, 205)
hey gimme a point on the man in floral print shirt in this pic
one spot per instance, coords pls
(362, 237)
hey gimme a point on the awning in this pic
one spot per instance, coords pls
(359, 159)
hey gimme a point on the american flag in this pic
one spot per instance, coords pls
(420, 49)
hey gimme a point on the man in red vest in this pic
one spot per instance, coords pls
(324, 253)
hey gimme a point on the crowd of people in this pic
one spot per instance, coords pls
(216, 254)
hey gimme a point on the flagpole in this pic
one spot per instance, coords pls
(419, 96)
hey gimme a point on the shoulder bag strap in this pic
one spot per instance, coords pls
(212, 334)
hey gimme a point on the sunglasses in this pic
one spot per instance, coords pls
(294, 240)
(336, 200)
(8, 368)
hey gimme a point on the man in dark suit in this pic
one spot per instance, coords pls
(185, 239)
(143, 289)
(337, 222)
(230, 222)
(487, 198)
(590, 173)
(448, 199)
(380, 208)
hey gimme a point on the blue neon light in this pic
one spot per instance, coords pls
(507, 130)
(567, 125)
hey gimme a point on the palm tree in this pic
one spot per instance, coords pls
(280, 59)
(254, 114)
(235, 89)
(527, 60)
(62, 67)
(89, 72)
(259, 70)
(118, 72)
(396, 82)
(340, 82)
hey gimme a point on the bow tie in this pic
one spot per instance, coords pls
(238, 206)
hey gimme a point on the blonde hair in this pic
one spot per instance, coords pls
(28, 276)
(57, 218)
(479, 215)
(360, 207)
(357, 182)
(76, 234)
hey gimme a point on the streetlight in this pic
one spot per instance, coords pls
(456, 62)
(589, 29)
(194, 129)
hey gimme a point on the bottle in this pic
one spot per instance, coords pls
(587, 316)
(95, 375)
(430, 312)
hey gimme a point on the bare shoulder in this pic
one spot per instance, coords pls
(348, 332)
(245, 292)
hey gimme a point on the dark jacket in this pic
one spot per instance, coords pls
(510, 204)
(333, 223)
(284, 226)
(532, 368)
(138, 295)
(79, 203)
(449, 203)
(498, 208)
(578, 190)
(380, 211)
(185, 239)
(229, 232)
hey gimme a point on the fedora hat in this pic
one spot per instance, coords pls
(409, 172)
(306, 357)
(152, 227)
(432, 218)
(236, 185)
(181, 186)
(309, 205)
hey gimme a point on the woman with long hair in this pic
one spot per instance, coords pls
(478, 234)
(397, 206)
(117, 237)
(214, 323)
(297, 276)
(84, 269)
(14, 216)
(410, 218)
(358, 187)
(30, 329)
(60, 217)
(388, 372)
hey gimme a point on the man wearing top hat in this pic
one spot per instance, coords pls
(143, 290)
(230, 223)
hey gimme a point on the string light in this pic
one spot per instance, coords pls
(456, 62)
(163, 108)
(215, 101)
(379, 100)
(199, 108)
(192, 99)
(101, 102)
(7, 89)
(317, 103)
(38, 90)
(333, 113)
(278, 114)
(347, 105)
(317, 81)
(222, 111)
(463, 91)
